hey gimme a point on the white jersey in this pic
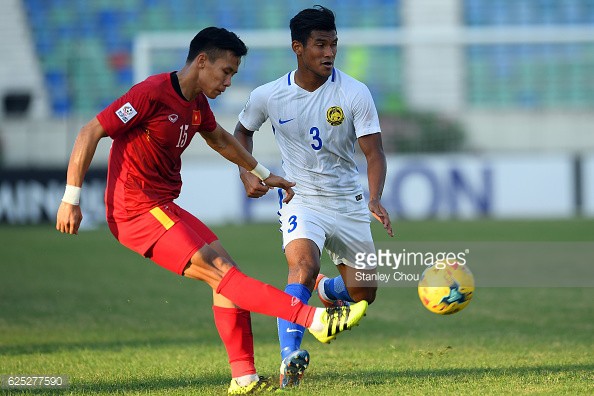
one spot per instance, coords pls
(316, 131)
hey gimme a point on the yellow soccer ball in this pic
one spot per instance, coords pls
(446, 287)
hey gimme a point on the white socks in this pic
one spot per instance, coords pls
(316, 323)
(322, 291)
(245, 380)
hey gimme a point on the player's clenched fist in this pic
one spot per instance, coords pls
(68, 218)
(254, 187)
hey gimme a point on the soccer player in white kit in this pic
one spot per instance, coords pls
(318, 113)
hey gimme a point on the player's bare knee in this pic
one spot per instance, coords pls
(207, 268)
(304, 270)
(209, 258)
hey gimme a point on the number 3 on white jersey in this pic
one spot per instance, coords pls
(315, 132)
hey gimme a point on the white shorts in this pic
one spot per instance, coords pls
(341, 226)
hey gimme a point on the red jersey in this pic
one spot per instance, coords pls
(151, 125)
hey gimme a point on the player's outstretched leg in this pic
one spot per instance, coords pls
(253, 295)
(262, 385)
(331, 321)
(293, 367)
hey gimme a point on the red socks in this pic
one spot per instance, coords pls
(235, 329)
(255, 296)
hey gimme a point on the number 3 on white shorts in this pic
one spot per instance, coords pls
(292, 223)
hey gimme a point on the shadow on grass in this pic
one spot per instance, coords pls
(151, 384)
(384, 377)
(65, 346)
(145, 385)
(362, 379)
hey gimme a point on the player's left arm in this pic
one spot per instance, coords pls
(371, 146)
(229, 147)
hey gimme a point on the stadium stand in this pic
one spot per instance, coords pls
(528, 12)
(530, 75)
(21, 82)
(84, 46)
(509, 94)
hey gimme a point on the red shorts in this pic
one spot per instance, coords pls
(167, 234)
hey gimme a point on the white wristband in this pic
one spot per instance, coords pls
(261, 171)
(71, 195)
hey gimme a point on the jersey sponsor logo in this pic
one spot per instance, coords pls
(196, 117)
(173, 118)
(126, 112)
(334, 115)
(294, 301)
(281, 121)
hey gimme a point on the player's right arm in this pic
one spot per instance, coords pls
(225, 144)
(254, 187)
(70, 216)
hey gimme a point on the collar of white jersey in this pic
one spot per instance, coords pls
(291, 76)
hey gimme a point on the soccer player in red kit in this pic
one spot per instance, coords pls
(151, 125)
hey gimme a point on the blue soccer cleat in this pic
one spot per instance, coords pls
(292, 368)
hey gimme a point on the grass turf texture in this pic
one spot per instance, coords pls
(115, 323)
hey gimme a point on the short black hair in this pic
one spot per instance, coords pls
(213, 41)
(316, 18)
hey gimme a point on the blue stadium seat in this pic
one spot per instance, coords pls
(57, 84)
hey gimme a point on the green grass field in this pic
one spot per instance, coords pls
(115, 323)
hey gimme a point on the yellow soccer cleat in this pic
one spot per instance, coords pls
(263, 385)
(339, 319)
